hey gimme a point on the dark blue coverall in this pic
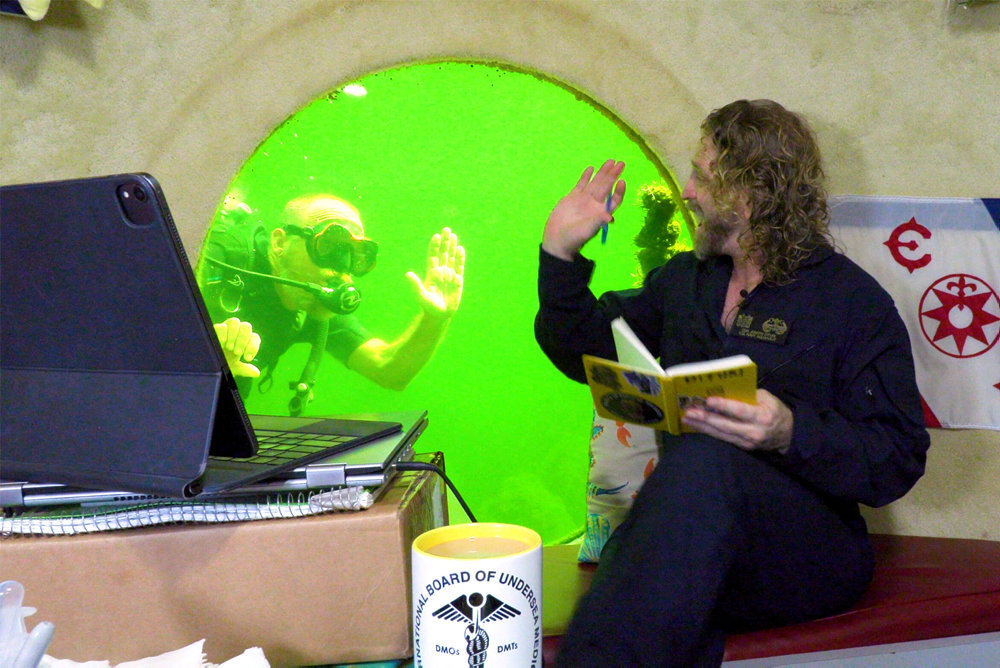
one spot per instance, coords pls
(720, 539)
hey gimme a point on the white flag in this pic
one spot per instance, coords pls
(940, 261)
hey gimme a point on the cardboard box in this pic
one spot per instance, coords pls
(332, 588)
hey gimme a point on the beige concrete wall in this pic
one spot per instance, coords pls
(903, 96)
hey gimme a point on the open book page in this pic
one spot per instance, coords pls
(631, 352)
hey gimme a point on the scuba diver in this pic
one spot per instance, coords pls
(268, 289)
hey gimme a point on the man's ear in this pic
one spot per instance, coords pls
(279, 240)
(742, 206)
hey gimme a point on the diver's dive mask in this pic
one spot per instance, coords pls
(335, 247)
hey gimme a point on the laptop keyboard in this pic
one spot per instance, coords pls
(279, 447)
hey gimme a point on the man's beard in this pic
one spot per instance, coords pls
(712, 233)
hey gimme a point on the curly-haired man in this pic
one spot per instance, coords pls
(752, 518)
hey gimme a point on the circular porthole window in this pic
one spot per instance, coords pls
(485, 150)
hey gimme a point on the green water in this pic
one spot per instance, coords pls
(486, 150)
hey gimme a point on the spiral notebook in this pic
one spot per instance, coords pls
(112, 376)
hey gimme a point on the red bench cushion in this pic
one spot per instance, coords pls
(923, 588)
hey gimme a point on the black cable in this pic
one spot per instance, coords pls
(342, 299)
(423, 466)
(312, 287)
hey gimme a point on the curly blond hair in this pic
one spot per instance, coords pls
(769, 155)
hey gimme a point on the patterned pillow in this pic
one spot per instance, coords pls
(622, 456)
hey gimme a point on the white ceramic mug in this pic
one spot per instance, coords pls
(477, 596)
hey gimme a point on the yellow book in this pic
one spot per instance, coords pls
(636, 389)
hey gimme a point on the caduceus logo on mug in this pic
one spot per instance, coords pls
(477, 596)
(476, 610)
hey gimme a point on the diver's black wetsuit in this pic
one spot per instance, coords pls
(229, 293)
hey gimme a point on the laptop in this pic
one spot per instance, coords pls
(372, 465)
(111, 376)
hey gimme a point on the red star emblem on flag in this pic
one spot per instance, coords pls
(960, 307)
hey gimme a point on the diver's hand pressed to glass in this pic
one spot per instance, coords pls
(440, 291)
(580, 214)
(240, 344)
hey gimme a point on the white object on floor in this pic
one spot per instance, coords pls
(191, 656)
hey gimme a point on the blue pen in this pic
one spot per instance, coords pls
(604, 227)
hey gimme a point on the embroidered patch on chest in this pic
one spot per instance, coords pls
(767, 329)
